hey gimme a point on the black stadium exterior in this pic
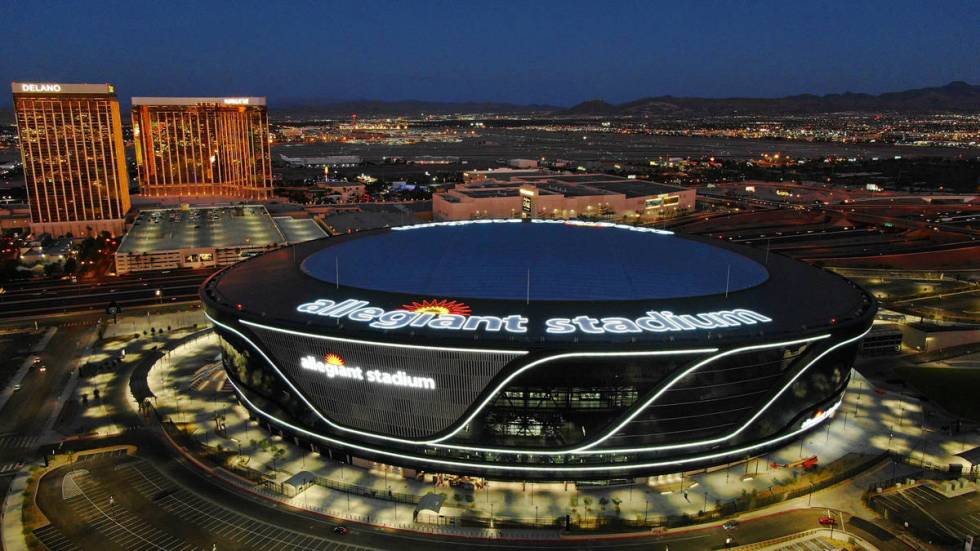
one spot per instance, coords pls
(536, 349)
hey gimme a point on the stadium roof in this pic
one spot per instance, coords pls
(576, 269)
(564, 262)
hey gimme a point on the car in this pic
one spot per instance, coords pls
(827, 521)
(16, 387)
(730, 525)
(341, 530)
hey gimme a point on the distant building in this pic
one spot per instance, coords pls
(203, 147)
(538, 194)
(15, 217)
(332, 161)
(343, 191)
(58, 250)
(166, 239)
(73, 156)
(523, 163)
(884, 338)
(929, 337)
(501, 174)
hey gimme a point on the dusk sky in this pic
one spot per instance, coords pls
(524, 52)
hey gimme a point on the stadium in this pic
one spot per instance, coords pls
(536, 349)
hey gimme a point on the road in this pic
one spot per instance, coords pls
(28, 413)
(62, 296)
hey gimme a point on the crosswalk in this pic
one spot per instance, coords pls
(13, 441)
(812, 544)
(76, 324)
(7, 469)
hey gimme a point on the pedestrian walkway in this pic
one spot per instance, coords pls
(12, 530)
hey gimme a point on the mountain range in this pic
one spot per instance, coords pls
(955, 97)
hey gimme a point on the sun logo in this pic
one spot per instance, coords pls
(334, 359)
(439, 306)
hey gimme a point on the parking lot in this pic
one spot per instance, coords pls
(244, 531)
(115, 502)
(53, 539)
(96, 508)
(945, 519)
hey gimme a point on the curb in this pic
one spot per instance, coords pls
(13, 506)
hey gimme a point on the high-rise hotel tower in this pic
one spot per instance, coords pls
(199, 148)
(74, 160)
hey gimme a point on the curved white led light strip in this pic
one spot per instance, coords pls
(461, 425)
(374, 343)
(300, 394)
(491, 466)
(510, 377)
(584, 450)
(588, 448)
(740, 429)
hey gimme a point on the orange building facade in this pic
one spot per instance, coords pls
(74, 158)
(203, 147)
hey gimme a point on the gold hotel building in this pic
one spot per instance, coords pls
(203, 147)
(72, 147)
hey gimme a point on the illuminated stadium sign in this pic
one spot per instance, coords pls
(655, 322)
(453, 316)
(334, 367)
(378, 318)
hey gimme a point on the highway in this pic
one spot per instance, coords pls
(63, 296)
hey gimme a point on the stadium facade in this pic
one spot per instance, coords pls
(536, 349)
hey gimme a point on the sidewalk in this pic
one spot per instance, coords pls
(13, 505)
(124, 342)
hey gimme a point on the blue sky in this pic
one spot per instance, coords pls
(524, 52)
